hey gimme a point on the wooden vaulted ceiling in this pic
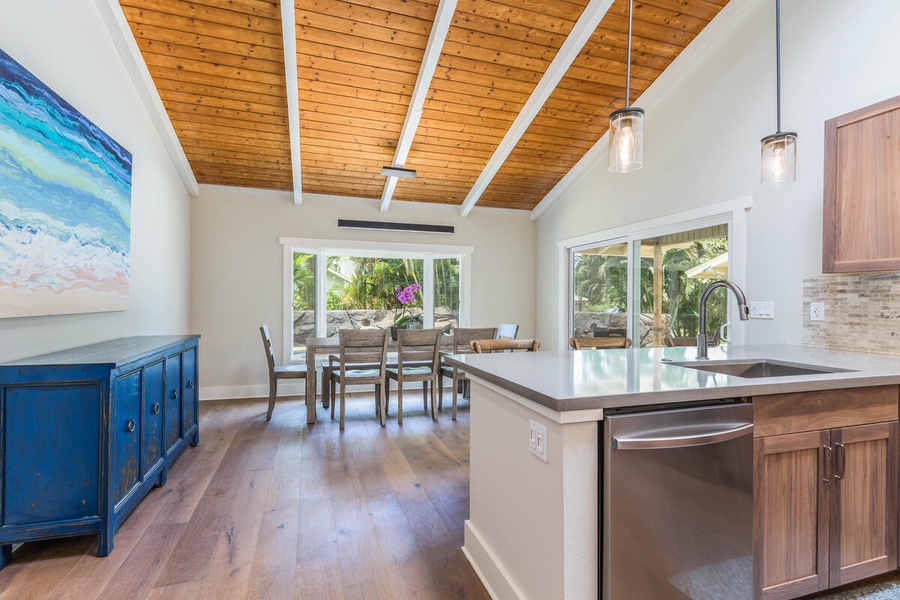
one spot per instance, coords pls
(220, 71)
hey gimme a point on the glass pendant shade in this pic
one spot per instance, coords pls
(626, 140)
(779, 159)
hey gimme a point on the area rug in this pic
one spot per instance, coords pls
(886, 587)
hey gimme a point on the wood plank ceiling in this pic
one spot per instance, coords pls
(219, 69)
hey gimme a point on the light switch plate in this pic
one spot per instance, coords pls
(816, 311)
(762, 310)
(537, 439)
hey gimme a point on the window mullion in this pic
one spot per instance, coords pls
(428, 293)
(321, 307)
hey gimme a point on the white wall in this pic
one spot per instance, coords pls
(237, 269)
(704, 121)
(65, 45)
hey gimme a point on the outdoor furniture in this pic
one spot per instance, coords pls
(505, 345)
(361, 360)
(461, 339)
(599, 343)
(277, 372)
(417, 360)
(507, 330)
(673, 341)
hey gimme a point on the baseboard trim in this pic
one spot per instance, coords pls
(484, 562)
(285, 388)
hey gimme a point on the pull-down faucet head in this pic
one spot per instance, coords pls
(743, 312)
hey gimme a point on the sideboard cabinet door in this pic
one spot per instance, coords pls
(126, 435)
(152, 417)
(189, 392)
(173, 402)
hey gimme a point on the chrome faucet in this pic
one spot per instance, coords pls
(743, 311)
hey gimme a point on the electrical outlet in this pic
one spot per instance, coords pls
(762, 310)
(537, 440)
(816, 311)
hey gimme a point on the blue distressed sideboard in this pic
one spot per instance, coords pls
(86, 433)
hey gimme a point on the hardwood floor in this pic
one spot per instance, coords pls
(278, 510)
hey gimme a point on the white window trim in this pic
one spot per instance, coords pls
(733, 213)
(324, 247)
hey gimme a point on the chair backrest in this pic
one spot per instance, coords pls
(463, 337)
(599, 343)
(672, 341)
(507, 330)
(267, 342)
(419, 346)
(363, 347)
(504, 345)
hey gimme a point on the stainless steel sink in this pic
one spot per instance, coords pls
(754, 368)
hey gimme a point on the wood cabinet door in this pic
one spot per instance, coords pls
(861, 219)
(126, 435)
(173, 401)
(790, 521)
(863, 527)
(188, 389)
(152, 417)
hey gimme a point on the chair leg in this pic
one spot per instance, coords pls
(433, 411)
(331, 387)
(273, 389)
(425, 395)
(455, 386)
(343, 404)
(399, 401)
(387, 396)
(440, 379)
(326, 378)
(381, 399)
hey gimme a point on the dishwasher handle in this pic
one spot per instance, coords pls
(699, 437)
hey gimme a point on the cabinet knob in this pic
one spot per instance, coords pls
(129, 426)
(156, 408)
(191, 384)
(174, 394)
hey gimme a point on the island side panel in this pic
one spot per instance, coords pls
(533, 526)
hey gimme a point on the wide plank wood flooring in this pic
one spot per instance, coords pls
(279, 510)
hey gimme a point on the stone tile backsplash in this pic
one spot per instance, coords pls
(862, 312)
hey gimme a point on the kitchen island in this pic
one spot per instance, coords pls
(534, 526)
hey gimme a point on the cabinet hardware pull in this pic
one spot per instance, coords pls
(827, 464)
(191, 384)
(174, 394)
(840, 461)
(156, 408)
(130, 425)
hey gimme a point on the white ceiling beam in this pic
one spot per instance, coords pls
(118, 29)
(439, 28)
(292, 85)
(568, 52)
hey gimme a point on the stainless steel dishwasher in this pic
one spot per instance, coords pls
(678, 504)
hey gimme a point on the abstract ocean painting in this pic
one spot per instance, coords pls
(65, 204)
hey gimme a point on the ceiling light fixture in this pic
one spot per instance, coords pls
(626, 125)
(779, 150)
(398, 172)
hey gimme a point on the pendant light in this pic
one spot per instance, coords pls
(626, 125)
(779, 150)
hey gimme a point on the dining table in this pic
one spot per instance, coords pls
(331, 345)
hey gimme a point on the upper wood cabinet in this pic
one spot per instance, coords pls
(862, 190)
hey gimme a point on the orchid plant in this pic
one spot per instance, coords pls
(407, 297)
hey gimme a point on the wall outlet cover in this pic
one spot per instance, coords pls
(816, 311)
(537, 439)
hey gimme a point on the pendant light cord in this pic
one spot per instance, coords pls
(777, 65)
(628, 58)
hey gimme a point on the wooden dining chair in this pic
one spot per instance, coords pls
(599, 343)
(461, 339)
(277, 372)
(505, 345)
(361, 360)
(417, 360)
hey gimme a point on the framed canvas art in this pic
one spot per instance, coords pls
(65, 204)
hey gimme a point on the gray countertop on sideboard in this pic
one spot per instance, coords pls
(604, 379)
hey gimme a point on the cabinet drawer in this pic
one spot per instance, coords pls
(811, 411)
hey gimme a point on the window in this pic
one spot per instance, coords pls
(646, 284)
(336, 285)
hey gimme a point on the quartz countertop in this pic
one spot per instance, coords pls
(604, 379)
